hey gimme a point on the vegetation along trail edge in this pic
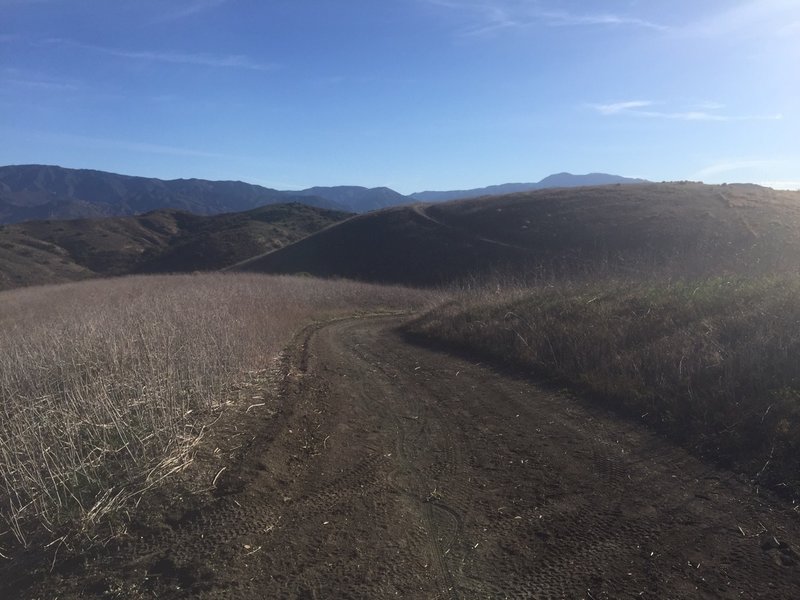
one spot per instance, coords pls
(399, 471)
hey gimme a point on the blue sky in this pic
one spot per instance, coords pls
(411, 94)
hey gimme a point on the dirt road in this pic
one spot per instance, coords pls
(400, 472)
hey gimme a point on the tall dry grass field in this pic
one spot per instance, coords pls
(714, 364)
(106, 385)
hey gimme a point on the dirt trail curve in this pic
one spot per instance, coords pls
(406, 473)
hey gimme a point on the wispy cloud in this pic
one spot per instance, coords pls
(5, 3)
(41, 84)
(489, 17)
(731, 166)
(782, 185)
(778, 173)
(155, 148)
(743, 18)
(128, 146)
(236, 61)
(189, 9)
(18, 78)
(618, 107)
(708, 111)
(752, 18)
(568, 19)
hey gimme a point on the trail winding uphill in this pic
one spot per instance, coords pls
(422, 211)
(394, 471)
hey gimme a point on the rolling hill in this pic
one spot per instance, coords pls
(557, 180)
(37, 192)
(682, 228)
(40, 252)
(358, 199)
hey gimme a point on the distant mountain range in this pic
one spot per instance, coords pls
(559, 180)
(357, 199)
(37, 192)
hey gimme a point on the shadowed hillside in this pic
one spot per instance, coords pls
(40, 252)
(396, 244)
(681, 228)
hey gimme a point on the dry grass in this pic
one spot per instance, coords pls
(106, 385)
(713, 364)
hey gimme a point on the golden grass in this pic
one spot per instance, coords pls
(106, 385)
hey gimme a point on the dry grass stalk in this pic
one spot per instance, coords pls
(106, 386)
(712, 363)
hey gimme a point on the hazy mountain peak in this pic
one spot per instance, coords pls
(551, 181)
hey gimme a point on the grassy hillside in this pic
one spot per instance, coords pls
(393, 245)
(712, 364)
(40, 252)
(107, 385)
(683, 229)
(211, 243)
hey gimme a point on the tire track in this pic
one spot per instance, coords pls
(429, 505)
(420, 427)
